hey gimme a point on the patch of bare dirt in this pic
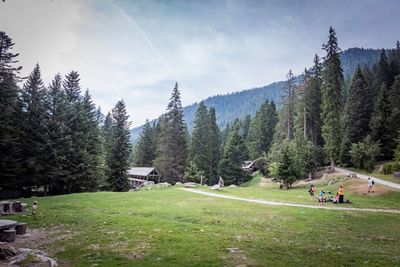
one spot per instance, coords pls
(265, 182)
(42, 237)
(361, 188)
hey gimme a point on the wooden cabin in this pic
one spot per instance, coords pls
(141, 176)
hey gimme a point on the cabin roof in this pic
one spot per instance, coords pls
(141, 171)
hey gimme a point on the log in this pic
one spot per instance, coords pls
(8, 235)
(20, 228)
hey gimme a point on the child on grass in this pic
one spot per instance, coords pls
(34, 208)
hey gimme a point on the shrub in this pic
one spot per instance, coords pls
(396, 167)
(387, 168)
(364, 154)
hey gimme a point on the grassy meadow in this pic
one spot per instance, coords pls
(171, 227)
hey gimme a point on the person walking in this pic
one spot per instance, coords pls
(341, 194)
(34, 208)
(370, 184)
(311, 191)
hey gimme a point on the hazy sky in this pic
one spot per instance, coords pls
(136, 50)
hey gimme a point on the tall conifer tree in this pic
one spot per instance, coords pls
(200, 149)
(117, 161)
(144, 152)
(171, 154)
(332, 98)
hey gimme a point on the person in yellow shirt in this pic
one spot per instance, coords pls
(341, 194)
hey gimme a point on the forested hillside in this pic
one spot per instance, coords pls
(240, 104)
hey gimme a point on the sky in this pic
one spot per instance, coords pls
(137, 50)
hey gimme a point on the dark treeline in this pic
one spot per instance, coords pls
(324, 119)
(52, 138)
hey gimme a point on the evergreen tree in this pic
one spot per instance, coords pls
(245, 126)
(72, 87)
(57, 138)
(380, 122)
(394, 120)
(382, 75)
(92, 144)
(10, 161)
(145, 153)
(200, 149)
(358, 110)
(214, 142)
(7, 58)
(312, 100)
(332, 98)
(171, 151)
(287, 170)
(288, 103)
(235, 153)
(194, 174)
(262, 130)
(34, 129)
(117, 161)
(75, 122)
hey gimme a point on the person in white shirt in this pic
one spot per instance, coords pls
(370, 183)
(34, 208)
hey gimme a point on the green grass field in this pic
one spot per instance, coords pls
(171, 227)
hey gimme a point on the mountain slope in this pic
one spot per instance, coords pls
(239, 104)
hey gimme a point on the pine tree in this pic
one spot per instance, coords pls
(7, 58)
(382, 74)
(287, 170)
(358, 111)
(245, 126)
(33, 137)
(332, 98)
(117, 161)
(194, 174)
(72, 87)
(235, 153)
(92, 144)
(171, 151)
(312, 99)
(75, 122)
(57, 138)
(214, 142)
(10, 161)
(145, 153)
(380, 122)
(288, 103)
(262, 129)
(200, 149)
(394, 120)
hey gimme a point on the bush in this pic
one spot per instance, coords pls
(364, 154)
(396, 167)
(387, 168)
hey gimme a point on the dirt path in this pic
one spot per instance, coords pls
(365, 177)
(275, 203)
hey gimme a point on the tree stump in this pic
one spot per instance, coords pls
(20, 228)
(8, 235)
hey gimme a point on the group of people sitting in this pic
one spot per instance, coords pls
(324, 197)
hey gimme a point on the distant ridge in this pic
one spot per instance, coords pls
(239, 104)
